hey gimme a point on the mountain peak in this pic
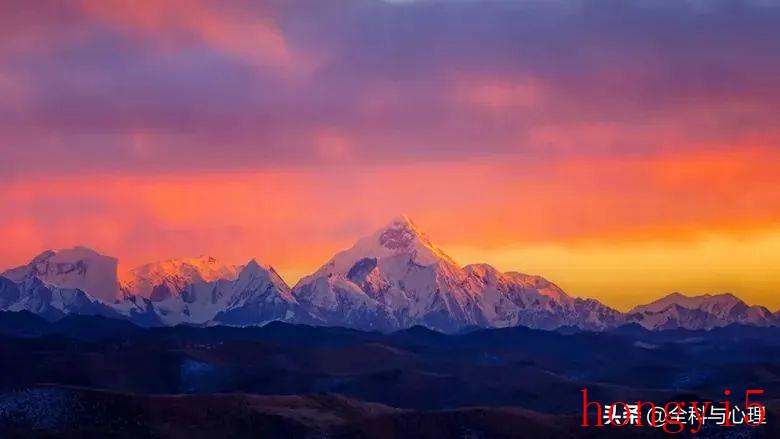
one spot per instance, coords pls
(208, 267)
(723, 300)
(400, 233)
(74, 253)
(76, 267)
(252, 267)
(402, 221)
(399, 243)
(205, 260)
(402, 236)
(699, 312)
(175, 274)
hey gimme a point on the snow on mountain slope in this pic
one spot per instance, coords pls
(512, 299)
(77, 267)
(258, 296)
(49, 301)
(400, 237)
(699, 312)
(393, 278)
(159, 280)
(707, 302)
(255, 295)
(336, 301)
(397, 278)
(138, 310)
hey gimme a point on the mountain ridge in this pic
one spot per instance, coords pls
(395, 278)
(171, 276)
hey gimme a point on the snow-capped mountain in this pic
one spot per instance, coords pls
(699, 312)
(397, 278)
(253, 296)
(48, 301)
(162, 279)
(513, 299)
(78, 267)
(393, 279)
(258, 296)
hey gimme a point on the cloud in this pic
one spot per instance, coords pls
(250, 35)
(155, 87)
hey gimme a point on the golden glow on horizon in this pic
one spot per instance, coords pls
(626, 274)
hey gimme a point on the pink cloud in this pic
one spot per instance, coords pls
(254, 38)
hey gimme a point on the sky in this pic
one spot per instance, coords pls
(623, 149)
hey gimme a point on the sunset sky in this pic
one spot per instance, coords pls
(623, 149)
